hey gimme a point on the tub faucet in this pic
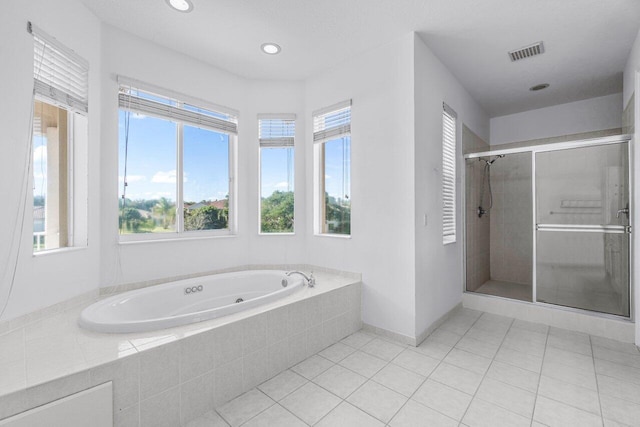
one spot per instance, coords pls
(311, 281)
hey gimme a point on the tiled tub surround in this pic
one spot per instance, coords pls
(476, 370)
(170, 376)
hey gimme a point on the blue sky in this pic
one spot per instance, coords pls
(151, 164)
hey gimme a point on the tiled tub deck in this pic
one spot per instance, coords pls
(172, 376)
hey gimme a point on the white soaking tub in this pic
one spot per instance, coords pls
(188, 301)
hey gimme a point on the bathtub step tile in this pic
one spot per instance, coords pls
(196, 355)
(337, 352)
(282, 384)
(254, 369)
(363, 363)
(243, 408)
(161, 410)
(254, 333)
(312, 367)
(159, 369)
(227, 343)
(310, 403)
(340, 381)
(275, 416)
(196, 397)
(227, 382)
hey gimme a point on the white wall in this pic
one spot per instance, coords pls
(381, 247)
(588, 115)
(45, 279)
(633, 65)
(439, 268)
(130, 56)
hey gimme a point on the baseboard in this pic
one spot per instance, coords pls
(404, 339)
(424, 334)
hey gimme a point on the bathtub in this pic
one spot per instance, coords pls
(187, 301)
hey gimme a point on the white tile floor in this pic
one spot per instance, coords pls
(476, 369)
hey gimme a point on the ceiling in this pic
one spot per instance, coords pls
(587, 42)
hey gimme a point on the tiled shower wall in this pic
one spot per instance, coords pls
(477, 229)
(511, 219)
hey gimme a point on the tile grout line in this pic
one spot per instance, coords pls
(595, 374)
(485, 373)
(544, 353)
(434, 369)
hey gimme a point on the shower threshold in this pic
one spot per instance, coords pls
(519, 291)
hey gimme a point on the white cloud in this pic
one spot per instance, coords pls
(168, 177)
(283, 184)
(138, 116)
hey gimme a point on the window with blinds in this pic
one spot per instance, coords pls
(59, 138)
(276, 134)
(61, 75)
(175, 164)
(332, 140)
(449, 118)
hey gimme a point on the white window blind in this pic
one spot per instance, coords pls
(448, 174)
(332, 122)
(60, 74)
(276, 130)
(138, 100)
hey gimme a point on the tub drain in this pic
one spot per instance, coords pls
(239, 300)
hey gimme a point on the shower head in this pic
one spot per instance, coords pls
(490, 161)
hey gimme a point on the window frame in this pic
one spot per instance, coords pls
(180, 233)
(322, 135)
(283, 117)
(449, 176)
(61, 80)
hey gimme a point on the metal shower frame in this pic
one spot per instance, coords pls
(557, 146)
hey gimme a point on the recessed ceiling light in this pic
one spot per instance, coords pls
(539, 87)
(181, 5)
(270, 48)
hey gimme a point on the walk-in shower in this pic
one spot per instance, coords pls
(550, 224)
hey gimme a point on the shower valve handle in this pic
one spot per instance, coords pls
(623, 211)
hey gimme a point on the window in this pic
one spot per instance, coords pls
(332, 140)
(58, 145)
(175, 173)
(276, 136)
(449, 118)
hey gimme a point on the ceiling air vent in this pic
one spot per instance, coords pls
(526, 52)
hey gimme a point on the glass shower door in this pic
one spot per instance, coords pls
(582, 228)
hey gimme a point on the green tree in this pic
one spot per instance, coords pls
(166, 210)
(277, 212)
(338, 215)
(131, 219)
(206, 218)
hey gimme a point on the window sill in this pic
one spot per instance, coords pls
(336, 236)
(174, 238)
(59, 251)
(276, 234)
